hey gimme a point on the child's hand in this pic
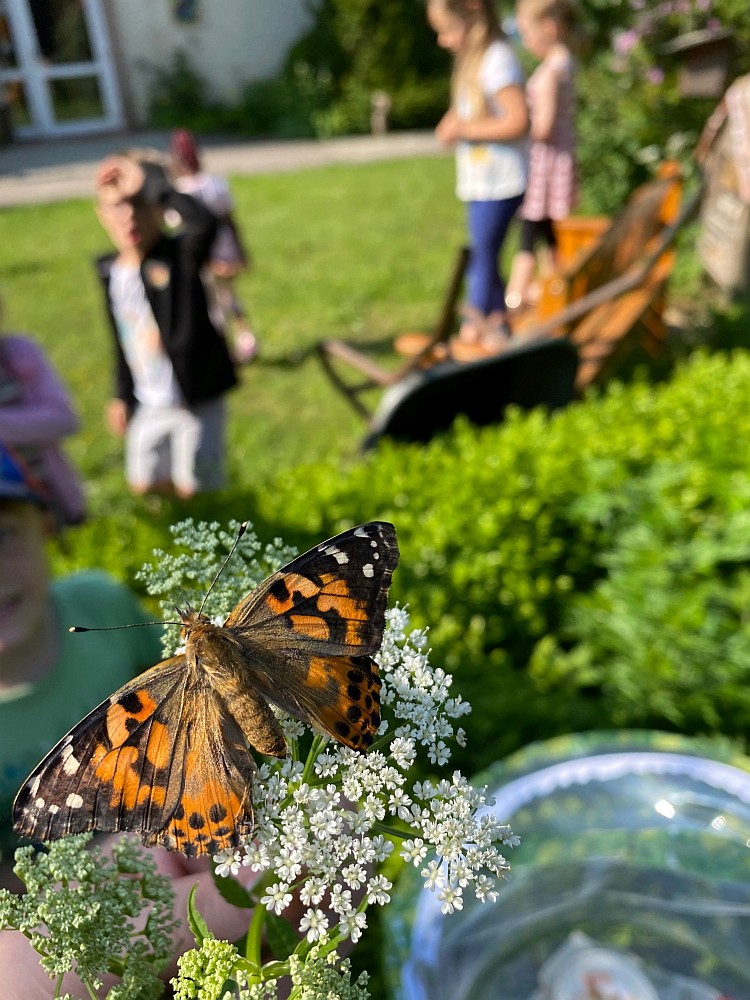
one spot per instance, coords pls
(121, 176)
(448, 129)
(117, 416)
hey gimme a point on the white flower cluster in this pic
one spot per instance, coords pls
(80, 910)
(324, 826)
(184, 577)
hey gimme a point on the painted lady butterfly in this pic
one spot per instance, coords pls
(167, 755)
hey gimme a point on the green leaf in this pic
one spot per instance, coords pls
(233, 892)
(281, 936)
(197, 924)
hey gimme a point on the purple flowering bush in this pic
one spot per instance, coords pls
(631, 114)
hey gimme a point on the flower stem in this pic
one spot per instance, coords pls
(317, 745)
(391, 831)
(255, 935)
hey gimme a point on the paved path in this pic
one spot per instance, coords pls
(52, 171)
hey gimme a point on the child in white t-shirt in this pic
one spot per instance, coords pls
(487, 123)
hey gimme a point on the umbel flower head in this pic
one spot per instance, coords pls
(79, 912)
(327, 819)
(325, 824)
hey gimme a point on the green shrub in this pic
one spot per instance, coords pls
(326, 84)
(285, 107)
(180, 97)
(365, 46)
(584, 569)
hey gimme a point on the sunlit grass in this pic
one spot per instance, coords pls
(361, 252)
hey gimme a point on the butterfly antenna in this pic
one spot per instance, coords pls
(113, 628)
(240, 533)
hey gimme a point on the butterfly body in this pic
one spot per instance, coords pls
(214, 652)
(168, 755)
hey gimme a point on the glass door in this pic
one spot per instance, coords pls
(56, 68)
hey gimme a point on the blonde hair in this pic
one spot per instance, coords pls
(482, 28)
(565, 13)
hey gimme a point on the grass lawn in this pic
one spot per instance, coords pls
(361, 252)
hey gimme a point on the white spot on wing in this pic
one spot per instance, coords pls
(54, 809)
(71, 765)
(338, 555)
(39, 803)
(368, 570)
(74, 801)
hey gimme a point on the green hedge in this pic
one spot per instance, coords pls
(579, 570)
(585, 569)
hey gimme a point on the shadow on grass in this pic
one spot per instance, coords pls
(293, 359)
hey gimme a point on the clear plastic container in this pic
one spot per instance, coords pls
(639, 841)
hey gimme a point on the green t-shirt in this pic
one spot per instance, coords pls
(92, 665)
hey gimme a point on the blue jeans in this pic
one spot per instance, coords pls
(488, 223)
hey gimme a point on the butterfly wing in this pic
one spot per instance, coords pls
(309, 632)
(149, 759)
(214, 810)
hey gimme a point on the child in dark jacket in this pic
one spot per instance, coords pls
(172, 364)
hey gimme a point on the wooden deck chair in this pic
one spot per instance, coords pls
(548, 365)
(428, 400)
(592, 252)
(595, 251)
(624, 311)
(335, 355)
(610, 296)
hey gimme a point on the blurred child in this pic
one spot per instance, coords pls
(547, 29)
(487, 123)
(50, 679)
(35, 415)
(227, 257)
(172, 364)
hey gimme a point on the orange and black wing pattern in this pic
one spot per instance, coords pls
(155, 759)
(167, 755)
(309, 632)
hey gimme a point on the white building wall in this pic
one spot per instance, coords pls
(232, 42)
